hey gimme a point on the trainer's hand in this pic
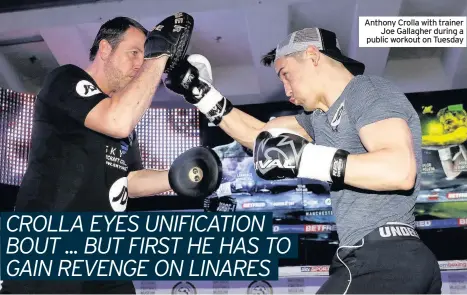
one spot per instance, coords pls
(196, 173)
(193, 80)
(280, 153)
(171, 38)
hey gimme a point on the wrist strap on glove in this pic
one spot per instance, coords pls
(212, 104)
(338, 165)
(215, 112)
(324, 163)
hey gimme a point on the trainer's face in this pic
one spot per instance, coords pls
(296, 76)
(126, 59)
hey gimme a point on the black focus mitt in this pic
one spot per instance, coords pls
(170, 37)
(196, 173)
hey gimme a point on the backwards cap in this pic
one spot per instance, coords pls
(327, 43)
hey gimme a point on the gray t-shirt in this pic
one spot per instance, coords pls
(365, 100)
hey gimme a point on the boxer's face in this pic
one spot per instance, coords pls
(299, 79)
(125, 59)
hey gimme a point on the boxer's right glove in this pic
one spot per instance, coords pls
(193, 80)
(171, 38)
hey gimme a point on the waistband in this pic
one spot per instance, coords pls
(392, 231)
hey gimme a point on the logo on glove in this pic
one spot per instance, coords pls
(269, 163)
(187, 80)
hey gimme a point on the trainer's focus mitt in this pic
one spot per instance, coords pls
(170, 37)
(196, 173)
(280, 153)
(193, 80)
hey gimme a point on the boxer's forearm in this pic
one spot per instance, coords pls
(383, 170)
(129, 104)
(143, 183)
(251, 121)
(245, 128)
(241, 127)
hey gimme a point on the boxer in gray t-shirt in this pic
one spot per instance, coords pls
(364, 101)
(360, 134)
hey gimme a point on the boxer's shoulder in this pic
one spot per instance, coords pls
(370, 85)
(373, 93)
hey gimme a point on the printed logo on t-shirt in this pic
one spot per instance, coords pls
(86, 89)
(114, 156)
(118, 194)
(336, 120)
(123, 147)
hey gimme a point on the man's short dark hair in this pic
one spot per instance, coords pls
(268, 59)
(113, 31)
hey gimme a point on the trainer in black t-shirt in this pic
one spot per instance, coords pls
(71, 167)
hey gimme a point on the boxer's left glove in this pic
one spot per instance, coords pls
(193, 80)
(279, 153)
(171, 38)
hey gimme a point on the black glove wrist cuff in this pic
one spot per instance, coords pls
(338, 166)
(222, 108)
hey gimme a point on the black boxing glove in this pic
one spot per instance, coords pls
(170, 37)
(279, 153)
(192, 79)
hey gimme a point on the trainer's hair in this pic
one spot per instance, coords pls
(268, 59)
(113, 31)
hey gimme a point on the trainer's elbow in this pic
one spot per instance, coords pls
(122, 131)
(118, 128)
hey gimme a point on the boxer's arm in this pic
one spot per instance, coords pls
(118, 116)
(218, 109)
(147, 182)
(244, 128)
(381, 117)
(250, 120)
(390, 162)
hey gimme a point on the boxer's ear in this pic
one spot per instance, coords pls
(312, 52)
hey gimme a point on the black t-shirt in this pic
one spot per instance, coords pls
(71, 167)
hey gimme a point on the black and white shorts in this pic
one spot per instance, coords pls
(391, 259)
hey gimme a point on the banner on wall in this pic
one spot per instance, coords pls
(443, 120)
